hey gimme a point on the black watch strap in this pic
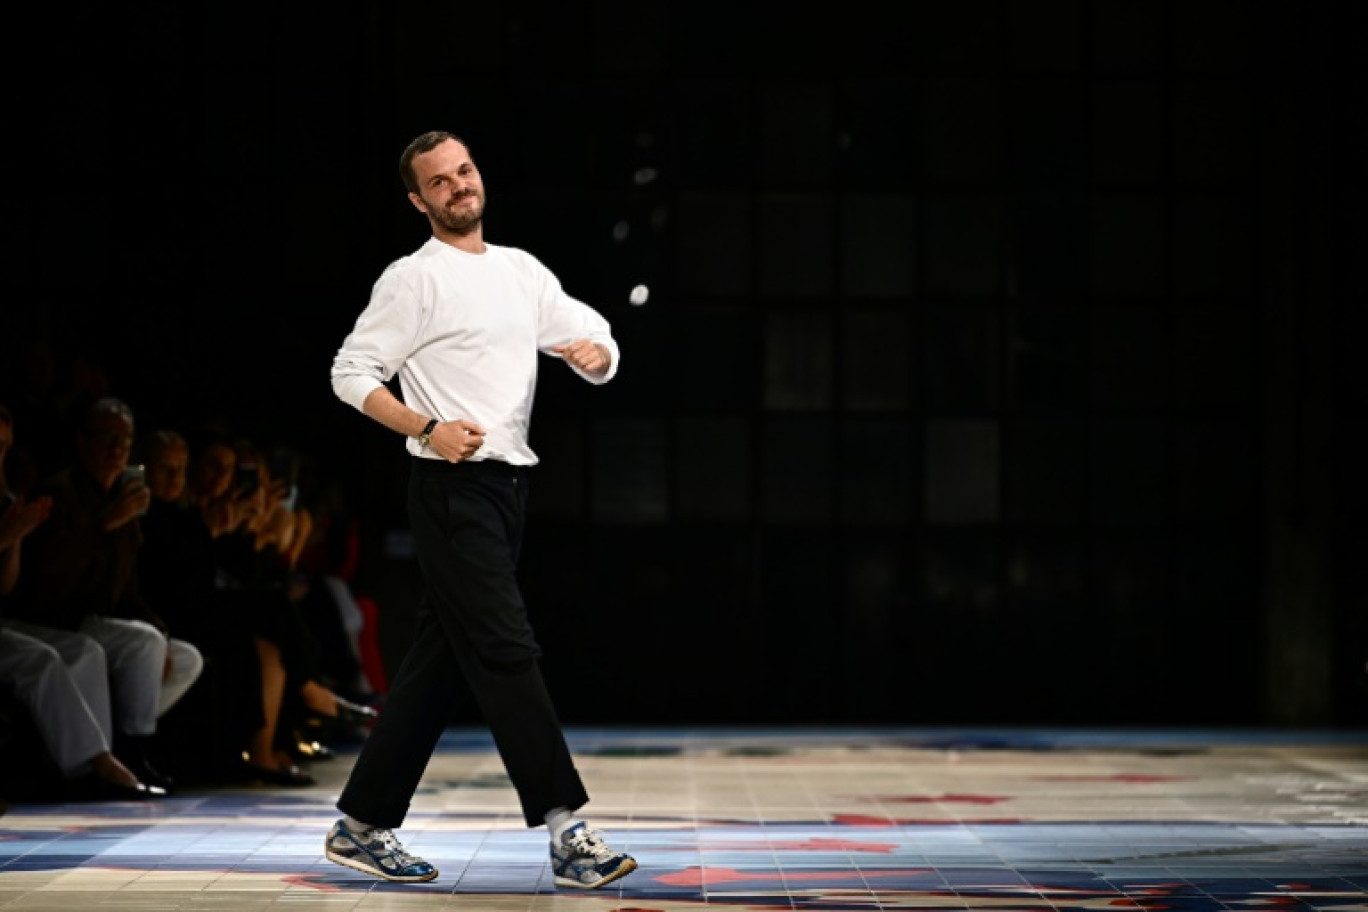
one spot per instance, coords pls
(426, 435)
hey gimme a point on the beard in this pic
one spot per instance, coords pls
(460, 218)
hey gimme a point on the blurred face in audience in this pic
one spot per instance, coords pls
(102, 446)
(166, 471)
(213, 471)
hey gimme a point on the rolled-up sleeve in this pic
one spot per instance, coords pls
(382, 338)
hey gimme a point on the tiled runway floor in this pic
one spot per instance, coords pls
(819, 819)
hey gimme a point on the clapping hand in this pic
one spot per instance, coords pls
(232, 510)
(277, 527)
(23, 517)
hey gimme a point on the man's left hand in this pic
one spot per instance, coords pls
(589, 357)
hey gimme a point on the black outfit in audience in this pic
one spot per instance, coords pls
(178, 572)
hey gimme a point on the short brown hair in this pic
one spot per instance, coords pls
(425, 143)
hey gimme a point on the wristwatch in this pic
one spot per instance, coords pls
(426, 436)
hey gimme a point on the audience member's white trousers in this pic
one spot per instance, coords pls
(67, 696)
(135, 654)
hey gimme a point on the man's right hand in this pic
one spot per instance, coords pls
(456, 441)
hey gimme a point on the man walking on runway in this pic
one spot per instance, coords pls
(462, 322)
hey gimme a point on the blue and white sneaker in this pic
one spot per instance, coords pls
(378, 852)
(583, 860)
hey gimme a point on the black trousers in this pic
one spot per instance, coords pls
(467, 521)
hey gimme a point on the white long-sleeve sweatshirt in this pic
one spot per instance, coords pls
(463, 331)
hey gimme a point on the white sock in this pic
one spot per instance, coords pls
(356, 826)
(558, 820)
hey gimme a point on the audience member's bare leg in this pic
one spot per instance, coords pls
(261, 752)
(318, 698)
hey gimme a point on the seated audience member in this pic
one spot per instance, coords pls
(80, 578)
(178, 569)
(343, 620)
(67, 700)
(240, 502)
(273, 542)
(278, 539)
(282, 538)
(69, 706)
(17, 517)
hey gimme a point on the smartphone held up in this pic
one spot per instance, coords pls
(134, 477)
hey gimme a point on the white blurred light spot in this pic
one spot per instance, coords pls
(621, 230)
(644, 176)
(639, 295)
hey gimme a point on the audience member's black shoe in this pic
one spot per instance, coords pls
(311, 750)
(352, 723)
(92, 788)
(364, 698)
(355, 713)
(134, 752)
(149, 774)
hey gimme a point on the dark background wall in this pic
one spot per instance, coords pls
(1000, 363)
